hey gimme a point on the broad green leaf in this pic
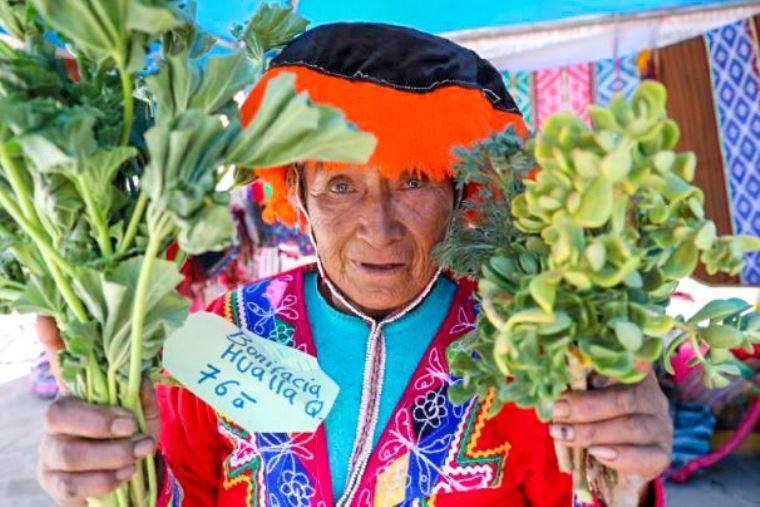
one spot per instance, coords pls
(211, 231)
(93, 26)
(223, 78)
(719, 310)
(151, 16)
(41, 297)
(57, 201)
(271, 27)
(287, 128)
(26, 76)
(174, 85)
(183, 83)
(13, 17)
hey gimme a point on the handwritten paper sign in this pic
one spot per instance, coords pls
(262, 385)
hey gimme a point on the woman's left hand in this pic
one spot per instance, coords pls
(625, 427)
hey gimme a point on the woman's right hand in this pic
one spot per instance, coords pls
(89, 450)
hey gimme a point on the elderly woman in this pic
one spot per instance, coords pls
(378, 314)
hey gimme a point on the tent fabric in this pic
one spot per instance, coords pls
(592, 39)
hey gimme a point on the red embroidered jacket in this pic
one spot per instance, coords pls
(453, 456)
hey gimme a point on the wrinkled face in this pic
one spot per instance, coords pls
(375, 236)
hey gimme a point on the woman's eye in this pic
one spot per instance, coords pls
(341, 187)
(413, 183)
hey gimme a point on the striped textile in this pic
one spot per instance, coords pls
(520, 86)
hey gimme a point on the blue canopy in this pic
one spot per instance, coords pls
(437, 16)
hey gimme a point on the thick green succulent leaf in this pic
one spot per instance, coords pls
(719, 310)
(629, 335)
(724, 337)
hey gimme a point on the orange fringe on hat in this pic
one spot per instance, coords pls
(415, 131)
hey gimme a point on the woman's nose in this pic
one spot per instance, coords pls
(378, 225)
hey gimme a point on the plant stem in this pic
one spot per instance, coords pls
(15, 178)
(149, 462)
(96, 217)
(158, 227)
(67, 292)
(129, 103)
(113, 395)
(579, 382)
(49, 253)
(9, 294)
(134, 223)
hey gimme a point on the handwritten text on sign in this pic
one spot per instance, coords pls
(262, 385)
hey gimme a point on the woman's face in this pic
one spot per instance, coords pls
(374, 235)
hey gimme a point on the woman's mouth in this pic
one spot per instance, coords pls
(386, 268)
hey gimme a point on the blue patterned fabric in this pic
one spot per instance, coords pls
(733, 56)
(614, 76)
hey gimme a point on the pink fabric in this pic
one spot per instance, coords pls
(564, 89)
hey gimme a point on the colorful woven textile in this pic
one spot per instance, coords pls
(613, 76)
(521, 86)
(564, 89)
(733, 57)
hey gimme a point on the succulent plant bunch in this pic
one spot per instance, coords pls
(106, 161)
(577, 239)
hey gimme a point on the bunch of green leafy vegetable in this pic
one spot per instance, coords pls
(104, 163)
(576, 260)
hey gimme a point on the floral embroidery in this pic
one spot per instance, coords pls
(282, 332)
(295, 487)
(261, 311)
(428, 412)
